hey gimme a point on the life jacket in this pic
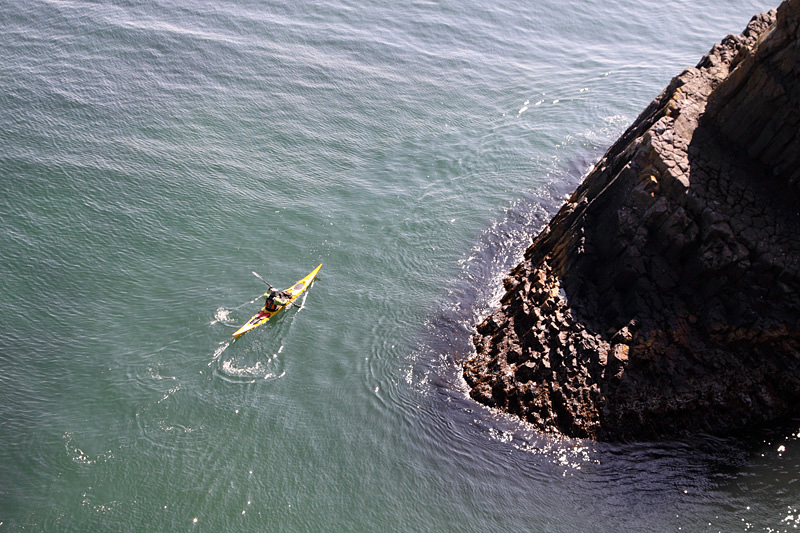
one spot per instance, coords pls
(271, 304)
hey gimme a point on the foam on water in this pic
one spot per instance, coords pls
(222, 315)
(248, 374)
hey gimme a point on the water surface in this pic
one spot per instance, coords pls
(155, 153)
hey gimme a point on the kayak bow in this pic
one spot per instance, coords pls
(264, 315)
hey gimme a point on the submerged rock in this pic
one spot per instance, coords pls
(664, 297)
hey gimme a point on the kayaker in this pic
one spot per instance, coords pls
(275, 299)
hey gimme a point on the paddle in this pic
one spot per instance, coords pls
(270, 285)
(262, 279)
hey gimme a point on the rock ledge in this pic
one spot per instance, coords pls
(664, 297)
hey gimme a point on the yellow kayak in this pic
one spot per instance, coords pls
(264, 315)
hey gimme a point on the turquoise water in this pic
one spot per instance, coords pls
(155, 153)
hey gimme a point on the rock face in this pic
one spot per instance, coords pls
(664, 297)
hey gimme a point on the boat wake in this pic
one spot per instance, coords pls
(219, 350)
(81, 457)
(250, 374)
(240, 368)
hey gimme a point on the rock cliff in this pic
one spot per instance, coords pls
(664, 297)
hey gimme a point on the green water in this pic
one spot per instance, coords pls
(155, 153)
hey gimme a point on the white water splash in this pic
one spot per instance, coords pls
(219, 350)
(222, 315)
(230, 368)
(250, 373)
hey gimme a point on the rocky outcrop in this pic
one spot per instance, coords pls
(664, 297)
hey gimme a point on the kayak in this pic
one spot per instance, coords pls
(262, 316)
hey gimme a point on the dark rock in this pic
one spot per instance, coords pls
(664, 297)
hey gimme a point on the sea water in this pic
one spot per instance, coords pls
(154, 153)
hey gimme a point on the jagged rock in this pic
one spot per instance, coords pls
(664, 297)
